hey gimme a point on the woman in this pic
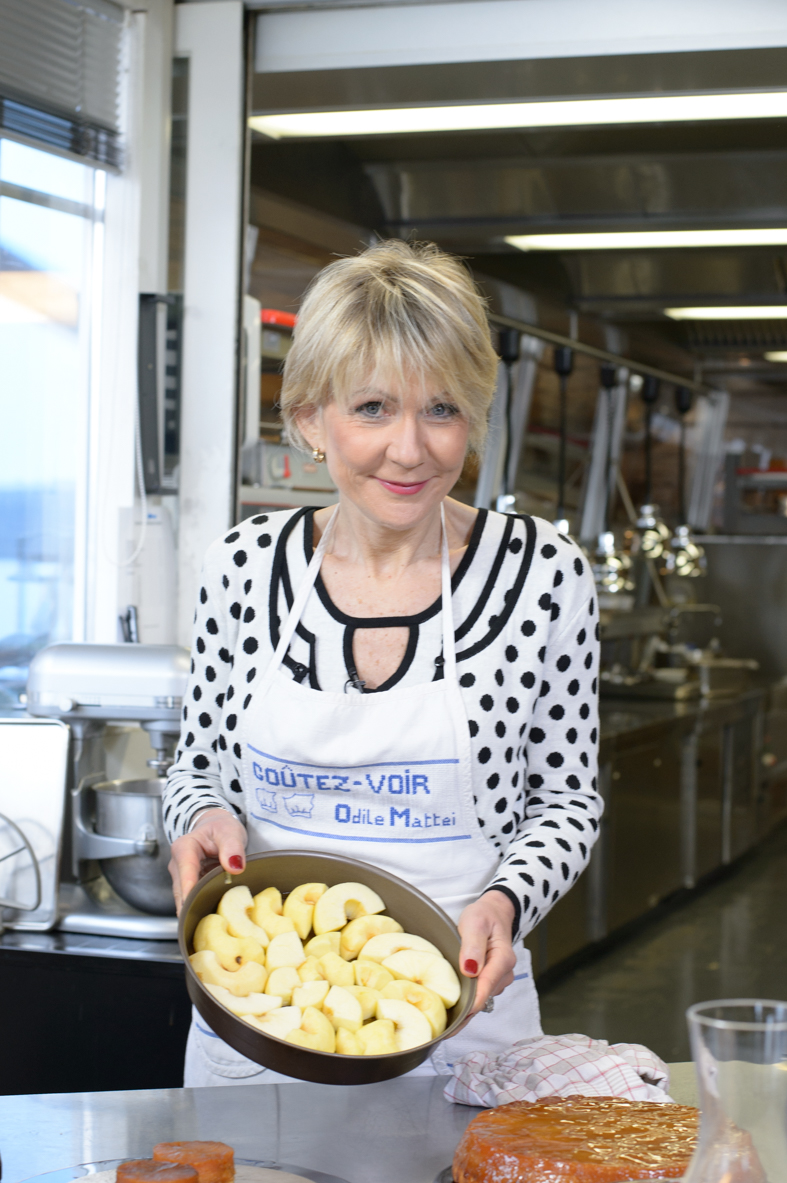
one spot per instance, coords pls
(403, 679)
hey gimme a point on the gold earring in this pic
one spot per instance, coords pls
(318, 455)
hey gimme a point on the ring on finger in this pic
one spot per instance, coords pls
(488, 1006)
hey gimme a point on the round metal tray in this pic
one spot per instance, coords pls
(86, 1169)
(286, 869)
(447, 1176)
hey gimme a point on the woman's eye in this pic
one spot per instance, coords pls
(444, 410)
(372, 409)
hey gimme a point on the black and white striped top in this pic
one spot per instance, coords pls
(527, 653)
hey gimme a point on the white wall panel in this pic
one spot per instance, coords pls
(500, 30)
(211, 35)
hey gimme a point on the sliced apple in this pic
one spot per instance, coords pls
(378, 1038)
(277, 1022)
(434, 972)
(310, 994)
(344, 902)
(367, 998)
(412, 1028)
(233, 952)
(249, 979)
(343, 1009)
(370, 973)
(236, 906)
(423, 999)
(315, 1032)
(299, 906)
(267, 912)
(311, 970)
(283, 981)
(337, 971)
(253, 1004)
(348, 1044)
(285, 949)
(388, 943)
(362, 929)
(328, 942)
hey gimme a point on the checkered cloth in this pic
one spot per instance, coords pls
(559, 1066)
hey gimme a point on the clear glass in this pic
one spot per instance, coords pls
(47, 257)
(740, 1055)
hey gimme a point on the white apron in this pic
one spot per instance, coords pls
(387, 779)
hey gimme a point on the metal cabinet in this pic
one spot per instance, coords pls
(644, 849)
(686, 791)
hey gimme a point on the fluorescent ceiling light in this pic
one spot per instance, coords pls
(647, 239)
(778, 355)
(745, 312)
(552, 113)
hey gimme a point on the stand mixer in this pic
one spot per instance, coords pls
(113, 877)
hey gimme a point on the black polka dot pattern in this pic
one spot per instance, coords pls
(527, 658)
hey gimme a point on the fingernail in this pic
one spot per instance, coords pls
(236, 862)
(471, 967)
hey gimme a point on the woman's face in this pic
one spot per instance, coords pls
(395, 449)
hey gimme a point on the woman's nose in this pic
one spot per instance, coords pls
(406, 446)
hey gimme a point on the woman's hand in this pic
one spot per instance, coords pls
(487, 952)
(215, 837)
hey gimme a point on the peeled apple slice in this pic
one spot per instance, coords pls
(267, 912)
(368, 999)
(253, 1004)
(434, 972)
(283, 982)
(343, 1009)
(311, 970)
(236, 906)
(278, 1022)
(423, 999)
(348, 1044)
(249, 979)
(310, 994)
(299, 906)
(285, 949)
(344, 902)
(233, 952)
(337, 971)
(378, 1038)
(328, 942)
(356, 934)
(388, 943)
(412, 1028)
(370, 973)
(315, 1032)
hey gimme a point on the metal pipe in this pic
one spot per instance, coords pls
(591, 350)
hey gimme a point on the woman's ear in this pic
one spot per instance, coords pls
(309, 421)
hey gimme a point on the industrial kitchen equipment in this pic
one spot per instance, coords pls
(113, 852)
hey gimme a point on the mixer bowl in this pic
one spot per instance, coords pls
(131, 809)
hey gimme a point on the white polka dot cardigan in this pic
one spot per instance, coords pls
(527, 653)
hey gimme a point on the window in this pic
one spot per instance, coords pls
(50, 260)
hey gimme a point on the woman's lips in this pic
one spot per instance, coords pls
(402, 489)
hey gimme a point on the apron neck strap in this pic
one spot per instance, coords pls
(313, 570)
(449, 646)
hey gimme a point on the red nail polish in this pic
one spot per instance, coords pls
(236, 862)
(471, 967)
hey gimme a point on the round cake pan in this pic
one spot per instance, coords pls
(285, 870)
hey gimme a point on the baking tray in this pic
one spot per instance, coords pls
(286, 869)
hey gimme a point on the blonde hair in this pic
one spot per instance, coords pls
(404, 308)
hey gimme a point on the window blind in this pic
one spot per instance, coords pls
(60, 74)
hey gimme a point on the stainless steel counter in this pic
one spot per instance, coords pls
(402, 1131)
